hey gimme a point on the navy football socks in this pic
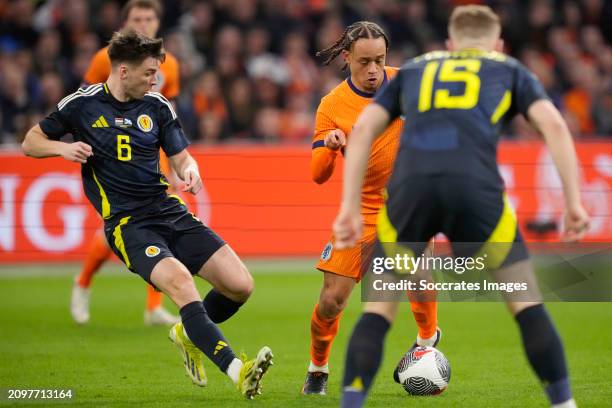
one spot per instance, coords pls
(545, 352)
(219, 307)
(363, 358)
(206, 335)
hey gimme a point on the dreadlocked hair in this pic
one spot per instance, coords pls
(360, 29)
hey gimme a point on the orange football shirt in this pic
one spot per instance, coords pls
(339, 110)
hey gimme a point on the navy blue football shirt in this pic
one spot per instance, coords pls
(123, 174)
(454, 105)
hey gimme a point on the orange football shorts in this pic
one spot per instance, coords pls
(349, 262)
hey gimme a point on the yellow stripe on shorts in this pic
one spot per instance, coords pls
(498, 245)
(119, 244)
(105, 205)
(384, 229)
(387, 235)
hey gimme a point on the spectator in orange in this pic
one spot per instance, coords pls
(208, 97)
(579, 99)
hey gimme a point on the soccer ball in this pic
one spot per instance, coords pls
(423, 371)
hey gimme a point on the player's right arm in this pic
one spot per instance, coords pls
(38, 145)
(326, 143)
(43, 140)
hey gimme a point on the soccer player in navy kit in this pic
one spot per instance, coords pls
(446, 180)
(118, 128)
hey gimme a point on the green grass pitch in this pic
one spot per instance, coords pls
(116, 361)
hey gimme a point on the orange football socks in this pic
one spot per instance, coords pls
(154, 298)
(98, 253)
(426, 317)
(322, 334)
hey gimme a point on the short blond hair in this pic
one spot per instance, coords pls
(474, 22)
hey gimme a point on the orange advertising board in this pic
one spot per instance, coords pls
(262, 201)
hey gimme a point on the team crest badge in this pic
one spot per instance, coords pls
(145, 123)
(326, 254)
(152, 251)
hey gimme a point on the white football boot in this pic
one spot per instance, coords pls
(160, 317)
(79, 303)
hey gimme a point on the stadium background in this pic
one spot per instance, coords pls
(249, 86)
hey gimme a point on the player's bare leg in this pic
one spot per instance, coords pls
(541, 340)
(231, 281)
(232, 285)
(173, 278)
(198, 335)
(228, 275)
(323, 329)
(98, 253)
(521, 271)
(155, 314)
(334, 294)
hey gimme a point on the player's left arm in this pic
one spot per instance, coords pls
(549, 122)
(186, 168)
(533, 103)
(174, 143)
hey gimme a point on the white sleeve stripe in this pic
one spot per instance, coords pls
(158, 95)
(76, 96)
(80, 91)
(88, 92)
(164, 101)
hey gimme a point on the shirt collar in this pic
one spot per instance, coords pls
(362, 93)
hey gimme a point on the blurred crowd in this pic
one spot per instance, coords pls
(248, 67)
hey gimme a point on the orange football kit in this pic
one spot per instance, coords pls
(339, 110)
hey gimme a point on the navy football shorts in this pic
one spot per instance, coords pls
(165, 229)
(473, 214)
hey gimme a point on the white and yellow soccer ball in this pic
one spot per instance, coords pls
(424, 371)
